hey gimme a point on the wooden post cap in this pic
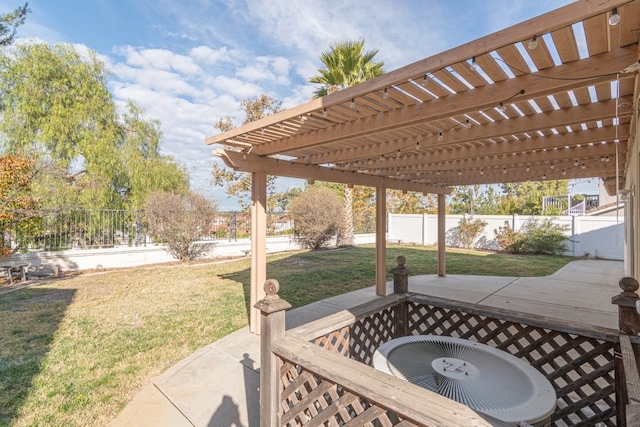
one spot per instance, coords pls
(271, 302)
(400, 269)
(271, 288)
(628, 296)
(629, 286)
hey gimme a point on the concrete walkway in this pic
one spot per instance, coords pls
(217, 386)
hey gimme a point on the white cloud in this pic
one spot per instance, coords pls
(267, 69)
(159, 59)
(208, 56)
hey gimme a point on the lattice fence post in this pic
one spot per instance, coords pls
(272, 323)
(629, 324)
(401, 286)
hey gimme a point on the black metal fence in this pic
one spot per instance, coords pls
(90, 229)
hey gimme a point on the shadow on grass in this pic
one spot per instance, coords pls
(29, 319)
(312, 276)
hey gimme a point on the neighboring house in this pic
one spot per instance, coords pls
(601, 204)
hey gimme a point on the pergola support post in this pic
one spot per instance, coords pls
(442, 264)
(381, 241)
(258, 245)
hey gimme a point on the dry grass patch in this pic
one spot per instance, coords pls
(79, 349)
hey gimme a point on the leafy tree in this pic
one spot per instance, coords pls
(346, 64)
(179, 221)
(411, 202)
(364, 208)
(282, 200)
(56, 106)
(238, 184)
(17, 202)
(147, 171)
(475, 200)
(9, 23)
(57, 110)
(525, 198)
(316, 215)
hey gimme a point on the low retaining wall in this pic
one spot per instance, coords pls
(125, 256)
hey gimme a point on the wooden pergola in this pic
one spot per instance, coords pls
(555, 97)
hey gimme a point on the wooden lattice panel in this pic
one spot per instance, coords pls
(308, 399)
(369, 333)
(580, 368)
(337, 341)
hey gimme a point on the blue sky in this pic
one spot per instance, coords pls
(188, 63)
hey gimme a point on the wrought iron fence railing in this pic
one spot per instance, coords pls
(91, 229)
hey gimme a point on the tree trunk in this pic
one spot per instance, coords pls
(345, 237)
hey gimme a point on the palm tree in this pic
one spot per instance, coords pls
(346, 64)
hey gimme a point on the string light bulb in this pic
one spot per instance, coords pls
(324, 112)
(576, 163)
(533, 43)
(564, 172)
(467, 124)
(552, 166)
(614, 19)
(482, 171)
(352, 104)
(459, 171)
(425, 80)
(584, 166)
(527, 168)
(440, 136)
(385, 94)
(502, 108)
(473, 65)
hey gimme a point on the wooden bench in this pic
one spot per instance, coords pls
(10, 266)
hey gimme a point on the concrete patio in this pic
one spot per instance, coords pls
(218, 385)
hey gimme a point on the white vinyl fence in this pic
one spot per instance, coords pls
(601, 237)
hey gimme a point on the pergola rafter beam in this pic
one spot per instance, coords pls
(536, 143)
(553, 119)
(543, 24)
(535, 174)
(463, 103)
(521, 159)
(253, 163)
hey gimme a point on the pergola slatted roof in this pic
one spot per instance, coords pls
(489, 111)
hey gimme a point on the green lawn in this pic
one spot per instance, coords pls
(75, 351)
